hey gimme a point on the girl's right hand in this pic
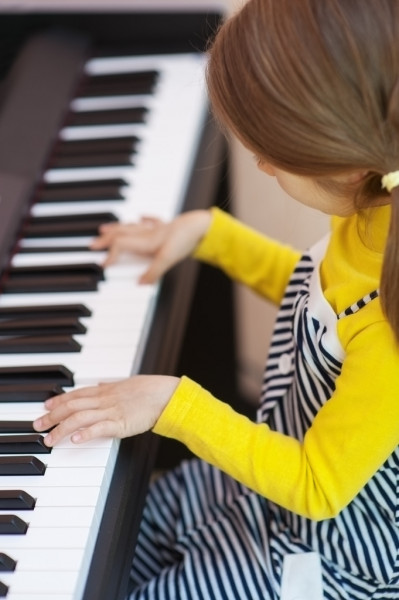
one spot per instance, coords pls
(164, 243)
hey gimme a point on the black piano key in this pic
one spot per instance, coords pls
(29, 392)
(16, 427)
(7, 564)
(44, 310)
(67, 225)
(117, 116)
(15, 500)
(41, 325)
(92, 269)
(53, 278)
(39, 344)
(95, 161)
(36, 374)
(12, 525)
(82, 191)
(97, 146)
(23, 444)
(101, 217)
(119, 84)
(3, 590)
(48, 249)
(50, 284)
(21, 465)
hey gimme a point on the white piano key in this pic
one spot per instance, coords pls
(74, 458)
(40, 596)
(96, 444)
(119, 339)
(94, 132)
(127, 64)
(67, 477)
(51, 516)
(122, 64)
(51, 242)
(125, 210)
(60, 496)
(119, 208)
(56, 537)
(53, 581)
(111, 102)
(22, 411)
(57, 258)
(41, 560)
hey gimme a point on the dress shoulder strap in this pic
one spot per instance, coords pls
(354, 308)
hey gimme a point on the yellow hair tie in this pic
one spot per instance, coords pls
(390, 181)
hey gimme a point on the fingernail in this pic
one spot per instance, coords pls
(48, 440)
(37, 424)
(48, 403)
(76, 438)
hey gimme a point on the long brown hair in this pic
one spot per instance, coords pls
(312, 86)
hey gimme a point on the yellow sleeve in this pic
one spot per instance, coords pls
(247, 256)
(350, 438)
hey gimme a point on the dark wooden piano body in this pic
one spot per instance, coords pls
(144, 32)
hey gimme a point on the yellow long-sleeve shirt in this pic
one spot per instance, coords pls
(357, 429)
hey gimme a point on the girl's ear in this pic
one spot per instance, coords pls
(356, 176)
(266, 167)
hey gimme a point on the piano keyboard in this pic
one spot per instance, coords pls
(126, 150)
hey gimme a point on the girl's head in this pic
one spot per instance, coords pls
(312, 87)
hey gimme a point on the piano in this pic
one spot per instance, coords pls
(103, 117)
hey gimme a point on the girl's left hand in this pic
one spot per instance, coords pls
(119, 409)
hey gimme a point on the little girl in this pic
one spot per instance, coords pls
(311, 87)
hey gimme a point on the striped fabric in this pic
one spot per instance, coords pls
(205, 536)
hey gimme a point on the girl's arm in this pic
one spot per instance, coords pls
(248, 256)
(350, 438)
(211, 236)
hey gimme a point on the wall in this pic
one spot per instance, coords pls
(259, 201)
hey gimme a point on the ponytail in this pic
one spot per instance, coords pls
(389, 287)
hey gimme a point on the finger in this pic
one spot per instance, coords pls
(141, 244)
(114, 252)
(109, 232)
(102, 429)
(63, 411)
(84, 394)
(74, 423)
(115, 228)
(151, 221)
(105, 240)
(158, 267)
(119, 246)
(61, 399)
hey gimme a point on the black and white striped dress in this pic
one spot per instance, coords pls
(205, 536)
